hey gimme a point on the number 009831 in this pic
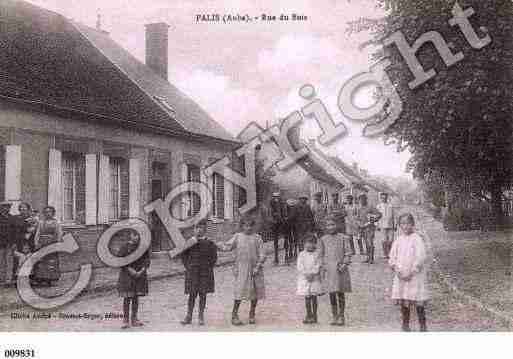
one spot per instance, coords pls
(19, 353)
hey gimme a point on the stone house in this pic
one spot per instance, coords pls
(89, 129)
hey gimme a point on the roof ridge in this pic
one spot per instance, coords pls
(151, 97)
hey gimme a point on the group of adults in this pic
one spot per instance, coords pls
(23, 234)
(292, 220)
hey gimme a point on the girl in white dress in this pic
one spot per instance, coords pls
(309, 278)
(408, 261)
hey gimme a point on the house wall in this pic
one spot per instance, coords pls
(37, 133)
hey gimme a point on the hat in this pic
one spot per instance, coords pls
(303, 196)
(5, 203)
(276, 194)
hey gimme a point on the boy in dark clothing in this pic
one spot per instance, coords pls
(199, 261)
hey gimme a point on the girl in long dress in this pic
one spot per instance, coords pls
(336, 259)
(248, 268)
(50, 231)
(309, 283)
(408, 261)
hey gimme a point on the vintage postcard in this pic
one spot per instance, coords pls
(296, 166)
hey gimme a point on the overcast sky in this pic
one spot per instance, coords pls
(242, 72)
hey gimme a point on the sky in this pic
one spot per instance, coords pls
(242, 72)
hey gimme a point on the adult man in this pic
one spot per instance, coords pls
(338, 212)
(278, 217)
(351, 225)
(304, 220)
(367, 216)
(320, 211)
(387, 223)
(6, 244)
(290, 240)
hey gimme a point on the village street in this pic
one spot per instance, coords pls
(369, 307)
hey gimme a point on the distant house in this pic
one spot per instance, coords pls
(89, 129)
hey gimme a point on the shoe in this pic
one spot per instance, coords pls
(125, 326)
(236, 321)
(251, 320)
(334, 321)
(187, 320)
(201, 321)
(307, 320)
(136, 323)
(341, 321)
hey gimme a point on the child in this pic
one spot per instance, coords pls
(248, 268)
(309, 278)
(336, 260)
(22, 256)
(199, 261)
(407, 260)
(133, 281)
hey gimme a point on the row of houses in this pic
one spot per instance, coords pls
(89, 129)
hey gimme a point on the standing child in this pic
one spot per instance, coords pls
(133, 281)
(336, 261)
(199, 261)
(309, 278)
(22, 255)
(408, 261)
(248, 268)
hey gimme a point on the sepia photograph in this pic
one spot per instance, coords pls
(217, 166)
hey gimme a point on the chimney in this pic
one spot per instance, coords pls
(157, 48)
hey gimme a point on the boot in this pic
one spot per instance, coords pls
(235, 314)
(334, 312)
(308, 306)
(314, 310)
(371, 255)
(190, 307)
(341, 309)
(421, 314)
(252, 310)
(405, 314)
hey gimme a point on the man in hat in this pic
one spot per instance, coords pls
(278, 216)
(351, 225)
(304, 220)
(387, 223)
(320, 211)
(366, 218)
(337, 211)
(6, 244)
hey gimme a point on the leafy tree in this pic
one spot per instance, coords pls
(457, 125)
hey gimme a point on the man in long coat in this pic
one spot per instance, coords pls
(338, 212)
(320, 211)
(303, 220)
(278, 217)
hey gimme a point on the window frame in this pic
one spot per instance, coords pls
(73, 158)
(117, 164)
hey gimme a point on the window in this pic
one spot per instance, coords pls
(193, 175)
(73, 187)
(115, 188)
(218, 195)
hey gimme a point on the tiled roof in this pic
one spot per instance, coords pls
(49, 59)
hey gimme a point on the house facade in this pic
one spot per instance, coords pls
(89, 129)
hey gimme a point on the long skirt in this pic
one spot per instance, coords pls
(48, 268)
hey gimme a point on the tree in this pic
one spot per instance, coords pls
(457, 125)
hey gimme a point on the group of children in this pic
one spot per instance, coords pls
(323, 267)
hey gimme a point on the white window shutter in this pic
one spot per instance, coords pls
(55, 181)
(103, 190)
(208, 181)
(90, 188)
(134, 180)
(228, 198)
